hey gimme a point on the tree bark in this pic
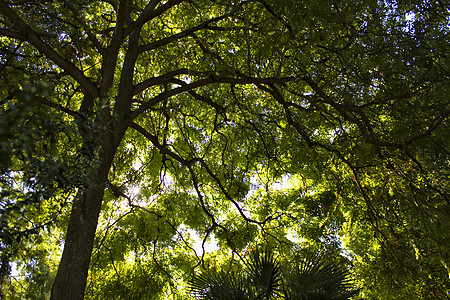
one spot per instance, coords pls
(70, 281)
(5, 269)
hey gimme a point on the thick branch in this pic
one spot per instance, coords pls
(112, 52)
(166, 78)
(168, 94)
(57, 106)
(12, 34)
(363, 129)
(149, 14)
(280, 99)
(200, 97)
(33, 38)
(364, 124)
(275, 15)
(213, 78)
(158, 145)
(121, 10)
(125, 95)
(90, 35)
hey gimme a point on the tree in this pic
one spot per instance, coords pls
(195, 101)
(36, 179)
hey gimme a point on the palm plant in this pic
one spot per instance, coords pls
(264, 275)
(317, 279)
(264, 278)
(220, 286)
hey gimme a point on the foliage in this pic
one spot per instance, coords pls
(146, 132)
(35, 183)
(266, 278)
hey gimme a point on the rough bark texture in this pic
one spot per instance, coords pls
(70, 281)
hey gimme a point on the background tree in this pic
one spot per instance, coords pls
(190, 112)
(37, 181)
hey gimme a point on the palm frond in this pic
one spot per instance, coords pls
(219, 286)
(316, 278)
(265, 274)
(265, 279)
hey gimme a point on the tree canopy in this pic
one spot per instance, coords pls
(142, 141)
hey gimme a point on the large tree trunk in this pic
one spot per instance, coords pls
(70, 280)
(71, 277)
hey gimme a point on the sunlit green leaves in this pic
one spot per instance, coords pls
(349, 156)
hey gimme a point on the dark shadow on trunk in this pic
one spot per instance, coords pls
(70, 281)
